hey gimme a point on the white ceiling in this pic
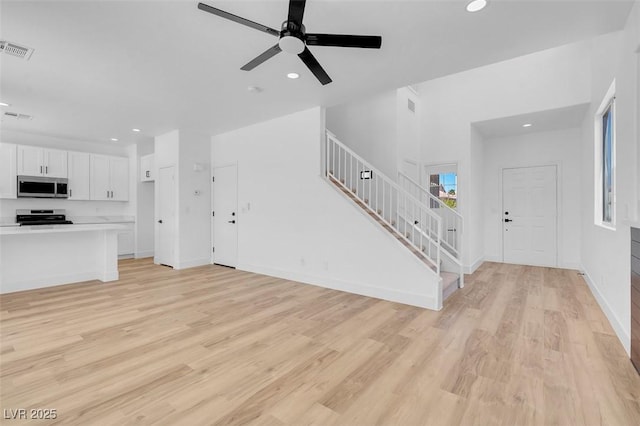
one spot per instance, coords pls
(541, 121)
(101, 68)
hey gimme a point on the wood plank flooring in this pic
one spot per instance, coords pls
(210, 345)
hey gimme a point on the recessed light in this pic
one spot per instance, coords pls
(293, 75)
(476, 5)
(114, 139)
(527, 125)
(135, 130)
(4, 104)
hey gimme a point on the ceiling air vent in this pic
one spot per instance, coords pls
(13, 49)
(18, 116)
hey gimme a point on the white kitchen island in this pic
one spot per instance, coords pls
(43, 256)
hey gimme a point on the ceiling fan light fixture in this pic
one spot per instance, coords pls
(291, 44)
(476, 5)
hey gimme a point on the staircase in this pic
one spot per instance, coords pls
(412, 221)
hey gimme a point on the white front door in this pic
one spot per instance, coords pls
(529, 215)
(166, 217)
(225, 215)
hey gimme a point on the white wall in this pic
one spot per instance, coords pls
(408, 133)
(606, 253)
(73, 208)
(183, 149)
(293, 224)
(561, 148)
(473, 232)
(194, 210)
(144, 207)
(540, 81)
(369, 127)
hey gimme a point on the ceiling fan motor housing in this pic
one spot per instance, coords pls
(292, 38)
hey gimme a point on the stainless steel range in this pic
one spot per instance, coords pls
(42, 217)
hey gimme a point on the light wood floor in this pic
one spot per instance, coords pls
(211, 345)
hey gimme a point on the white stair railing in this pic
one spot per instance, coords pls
(452, 222)
(418, 226)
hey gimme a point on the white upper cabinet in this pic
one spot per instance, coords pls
(35, 161)
(119, 178)
(147, 173)
(55, 163)
(30, 161)
(79, 176)
(109, 178)
(8, 170)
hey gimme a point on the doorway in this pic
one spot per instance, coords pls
(224, 224)
(529, 215)
(166, 220)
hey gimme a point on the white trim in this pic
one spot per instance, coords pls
(608, 100)
(624, 338)
(57, 280)
(143, 254)
(192, 263)
(413, 299)
(470, 269)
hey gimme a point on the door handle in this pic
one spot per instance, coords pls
(231, 221)
(160, 221)
(508, 220)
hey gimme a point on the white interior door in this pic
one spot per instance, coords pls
(225, 217)
(529, 216)
(166, 218)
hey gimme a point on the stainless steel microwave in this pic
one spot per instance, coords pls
(42, 187)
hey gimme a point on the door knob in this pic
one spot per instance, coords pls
(508, 220)
(160, 221)
(232, 221)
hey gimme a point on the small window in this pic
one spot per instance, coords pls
(605, 141)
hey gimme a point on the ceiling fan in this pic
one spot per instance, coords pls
(294, 39)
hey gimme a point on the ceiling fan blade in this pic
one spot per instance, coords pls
(314, 66)
(296, 10)
(267, 54)
(344, 40)
(238, 19)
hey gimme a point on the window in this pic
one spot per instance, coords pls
(605, 142)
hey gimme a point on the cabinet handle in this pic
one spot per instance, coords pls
(40, 169)
(111, 194)
(107, 194)
(70, 193)
(46, 170)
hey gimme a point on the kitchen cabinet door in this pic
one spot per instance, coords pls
(55, 163)
(119, 177)
(30, 161)
(79, 176)
(8, 174)
(99, 182)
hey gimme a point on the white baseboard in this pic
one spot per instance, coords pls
(52, 281)
(413, 299)
(470, 269)
(192, 263)
(143, 254)
(624, 338)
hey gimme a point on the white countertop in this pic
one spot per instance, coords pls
(101, 219)
(78, 220)
(46, 229)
